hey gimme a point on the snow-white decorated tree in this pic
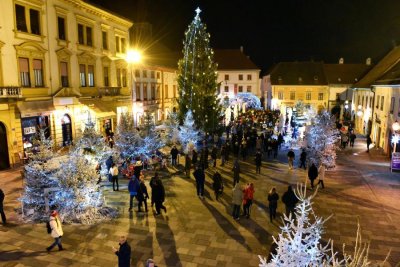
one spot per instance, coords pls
(188, 134)
(127, 138)
(171, 125)
(39, 175)
(299, 243)
(321, 140)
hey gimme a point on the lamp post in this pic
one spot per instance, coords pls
(133, 57)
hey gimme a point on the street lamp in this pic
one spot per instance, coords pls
(133, 57)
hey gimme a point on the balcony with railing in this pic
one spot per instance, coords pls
(109, 91)
(10, 92)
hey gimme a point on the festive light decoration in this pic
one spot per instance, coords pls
(197, 78)
(188, 135)
(321, 140)
(299, 243)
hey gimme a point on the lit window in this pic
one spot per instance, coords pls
(24, 74)
(82, 75)
(280, 95)
(308, 95)
(38, 72)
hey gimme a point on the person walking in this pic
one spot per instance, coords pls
(214, 155)
(273, 198)
(56, 230)
(312, 174)
(237, 198)
(290, 156)
(223, 154)
(303, 159)
(194, 158)
(290, 200)
(217, 185)
(152, 183)
(248, 195)
(352, 139)
(3, 215)
(345, 140)
(200, 179)
(142, 196)
(369, 142)
(114, 176)
(109, 163)
(188, 164)
(236, 172)
(123, 253)
(133, 188)
(158, 195)
(174, 155)
(258, 160)
(321, 175)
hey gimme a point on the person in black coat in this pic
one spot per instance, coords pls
(200, 179)
(194, 158)
(3, 215)
(303, 159)
(236, 172)
(123, 253)
(158, 195)
(290, 200)
(217, 184)
(142, 196)
(273, 198)
(258, 161)
(312, 174)
(214, 154)
(174, 155)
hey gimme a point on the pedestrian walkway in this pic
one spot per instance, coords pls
(198, 232)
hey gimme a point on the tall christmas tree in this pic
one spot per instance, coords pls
(197, 78)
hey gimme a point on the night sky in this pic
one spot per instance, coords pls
(279, 30)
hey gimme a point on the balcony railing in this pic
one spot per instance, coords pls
(10, 91)
(109, 91)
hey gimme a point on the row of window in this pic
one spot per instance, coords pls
(293, 96)
(155, 92)
(240, 89)
(31, 74)
(144, 74)
(240, 77)
(28, 20)
(368, 102)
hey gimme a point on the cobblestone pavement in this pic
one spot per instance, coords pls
(198, 232)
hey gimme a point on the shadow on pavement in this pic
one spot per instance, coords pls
(14, 255)
(227, 226)
(166, 240)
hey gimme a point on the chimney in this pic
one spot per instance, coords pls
(241, 48)
(341, 60)
(368, 61)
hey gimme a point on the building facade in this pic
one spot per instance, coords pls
(61, 60)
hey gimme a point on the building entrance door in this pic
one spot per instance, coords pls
(4, 160)
(378, 137)
(66, 130)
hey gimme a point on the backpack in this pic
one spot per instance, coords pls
(48, 227)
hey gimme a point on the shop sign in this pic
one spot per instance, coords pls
(29, 130)
(395, 162)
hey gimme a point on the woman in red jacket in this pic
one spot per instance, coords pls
(248, 194)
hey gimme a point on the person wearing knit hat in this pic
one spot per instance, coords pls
(56, 230)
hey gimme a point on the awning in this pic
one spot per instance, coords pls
(35, 108)
(100, 108)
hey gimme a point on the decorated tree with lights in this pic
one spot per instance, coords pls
(171, 124)
(321, 138)
(127, 138)
(39, 175)
(188, 135)
(197, 78)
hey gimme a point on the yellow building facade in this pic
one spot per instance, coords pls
(60, 60)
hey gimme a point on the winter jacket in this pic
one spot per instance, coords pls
(56, 227)
(199, 176)
(312, 172)
(321, 172)
(289, 198)
(214, 153)
(303, 156)
(1, 198)
(133, 186)
(174, 153)
(236, 169)
(273, 200)
(158, 192)
(248, 193)
(217, 182)
(114, 171)
(291, 154)
(142, 192)
(124, 255)
(237, 195)
(258, 159)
